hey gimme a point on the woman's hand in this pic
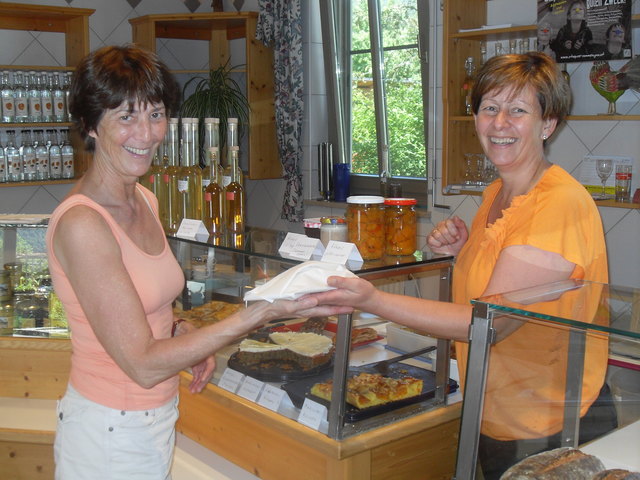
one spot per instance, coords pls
(448, 237)
(202, 371)
(349, 294)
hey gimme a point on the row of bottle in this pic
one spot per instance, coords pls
(184, 189)
(36, 158)
(34, 97)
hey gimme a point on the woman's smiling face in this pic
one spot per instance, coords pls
(128, 138)
(510, 127)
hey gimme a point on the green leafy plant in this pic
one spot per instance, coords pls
(216, 96)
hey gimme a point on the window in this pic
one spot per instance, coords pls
(380, 89)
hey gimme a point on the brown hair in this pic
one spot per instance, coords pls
(112, 75)
(515, 72)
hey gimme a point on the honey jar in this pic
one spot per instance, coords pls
(365, 225)
(400, 226)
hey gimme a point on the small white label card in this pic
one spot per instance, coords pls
(341, 252)
(250, 388)
(300, 247)
(271, 397)
(312, 414)
(193, 230)
(230, 380)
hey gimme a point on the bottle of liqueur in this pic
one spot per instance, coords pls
(42, 156)
(66, 150)
(28, 154)
(3, 165)
(213, 196)
(58, 99)
(66, 88)
(55, 155)
(46, 96)
(12, 154)
(21, 103)
(211, 140)
(171, 214)
(234, 212)
(232, 141)
(34, 94)
(467, 85)
(8, 105)
(190, 179)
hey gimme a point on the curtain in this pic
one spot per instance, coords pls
(280, 26)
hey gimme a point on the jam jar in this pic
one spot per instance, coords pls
(365, 225)
(400, 225)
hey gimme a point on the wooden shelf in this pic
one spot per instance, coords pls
(39, 182)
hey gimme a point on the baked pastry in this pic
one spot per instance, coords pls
(307, 350)
(561, 463)
(364, 334)
(616, 474)
(369, 389)
(208, 313)
(314, 325)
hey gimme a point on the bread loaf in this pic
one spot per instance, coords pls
(558, 464)
(616, 474)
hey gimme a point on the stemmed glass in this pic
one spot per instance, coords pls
(604, 166)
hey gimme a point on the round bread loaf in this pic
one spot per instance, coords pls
(616, 474)
(561, 463)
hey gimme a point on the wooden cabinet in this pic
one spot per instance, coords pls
(74, 24)
(459, 135)
(219, 28)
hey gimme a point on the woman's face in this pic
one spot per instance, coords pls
(510, 127)
(577, 11)
(616, 34)
(544, 33)
(129, 139)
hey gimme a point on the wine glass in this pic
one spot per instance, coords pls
(604, 166)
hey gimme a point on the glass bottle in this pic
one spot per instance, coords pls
(58, 99)
(467, 85)
(213, 211)
(34, 93)
(8, 105)
(66, 88)
(42, 156)
(28, 154)
(171, 215)
(55, 155)
(3, 165)
(232, 141)
(66, 150)
(234, 211)
(190, 176)
(211, 140)
(20, 95)
(46, 94)
(12, 154)
(483, 53)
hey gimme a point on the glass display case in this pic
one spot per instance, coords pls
(539, 357)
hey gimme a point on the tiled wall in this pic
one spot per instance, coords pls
(109, 25)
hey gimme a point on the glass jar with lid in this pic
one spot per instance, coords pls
(365, 225)
(400, 226)
(333, 228)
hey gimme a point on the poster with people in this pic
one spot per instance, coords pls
(584, 30)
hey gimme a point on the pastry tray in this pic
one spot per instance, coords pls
(276, 371)
(330, 327)
(300, 389)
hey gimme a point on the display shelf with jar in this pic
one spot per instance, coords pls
(466, 34)
(73, 23)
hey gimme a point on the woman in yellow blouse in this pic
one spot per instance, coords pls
(536, 225)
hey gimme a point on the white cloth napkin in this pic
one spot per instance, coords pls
(307, 277)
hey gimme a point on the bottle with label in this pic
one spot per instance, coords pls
(55, 155)
(12, 154)
(42, 156)
(8, 105)
(213, 196)
(171, 214)
(66, 150)
(66, 88)
(211, 140)
(467, 85)
(234, 211)
(46, 95)
(190, 179)
(28, 154)
(58, 100)
(21, 97)
(34, 92)
(3, 165)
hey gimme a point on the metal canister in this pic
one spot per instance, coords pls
(365, 224)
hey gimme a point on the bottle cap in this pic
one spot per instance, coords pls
(400, 201)
(365, 199)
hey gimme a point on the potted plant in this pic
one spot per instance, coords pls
(216, 96)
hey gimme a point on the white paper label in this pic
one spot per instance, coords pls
(341, 252)
(193, 230)
(312, 414)
(271, 397)
(301, 247)
(250, 388)
(230, 380)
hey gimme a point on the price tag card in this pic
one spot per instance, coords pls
(230, 380)
(193, 230)
(300, 247)
(250, 388)
(271, 397)
(312, 414)
(341, 252)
